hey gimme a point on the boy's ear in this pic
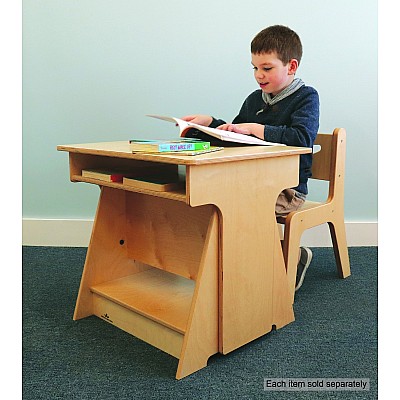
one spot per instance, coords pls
(293, 65)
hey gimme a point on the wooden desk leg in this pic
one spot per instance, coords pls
(201, 338)
(254, 292)
(106, 258)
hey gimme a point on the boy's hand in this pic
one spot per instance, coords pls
(245, 129)
(204, 120)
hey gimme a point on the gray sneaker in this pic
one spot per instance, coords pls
(305, 260)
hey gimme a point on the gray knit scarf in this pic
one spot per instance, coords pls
(295, 85)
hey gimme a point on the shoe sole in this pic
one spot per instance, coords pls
(309, 258)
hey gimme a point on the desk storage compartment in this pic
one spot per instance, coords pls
(132, 168)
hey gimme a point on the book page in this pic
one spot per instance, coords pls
(218, 133)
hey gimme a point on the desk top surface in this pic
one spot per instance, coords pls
(122, 149)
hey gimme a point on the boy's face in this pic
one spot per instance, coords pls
(271, 74)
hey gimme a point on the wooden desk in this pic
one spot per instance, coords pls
(194, 271)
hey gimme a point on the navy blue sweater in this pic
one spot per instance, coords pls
(293, 121)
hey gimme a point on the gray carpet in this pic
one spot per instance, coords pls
(334, 336)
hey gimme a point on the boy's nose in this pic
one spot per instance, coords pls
(259, 74)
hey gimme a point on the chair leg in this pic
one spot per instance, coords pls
(291, 245)
(338, 235)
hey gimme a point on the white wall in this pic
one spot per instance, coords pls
(92, 69)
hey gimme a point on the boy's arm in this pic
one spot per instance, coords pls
(299, 129)
(199, 119)
(303, 127)
(254, 129)
(204, 120)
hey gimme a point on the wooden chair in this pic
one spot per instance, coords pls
(328, 165)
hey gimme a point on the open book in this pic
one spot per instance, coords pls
(219, 134)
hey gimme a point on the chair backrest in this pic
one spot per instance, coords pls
(329, 162)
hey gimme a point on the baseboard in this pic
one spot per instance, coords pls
(358, 234)
(76, 233)
(56, 232)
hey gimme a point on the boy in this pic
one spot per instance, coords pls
(284, 110)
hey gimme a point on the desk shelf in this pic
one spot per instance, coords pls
(158, 295)
(132, 166)
(153, 305)
(178, 195)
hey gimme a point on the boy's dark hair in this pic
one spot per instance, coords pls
(281, 39)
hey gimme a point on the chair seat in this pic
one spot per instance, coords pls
(306, 206)
(311, 204)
